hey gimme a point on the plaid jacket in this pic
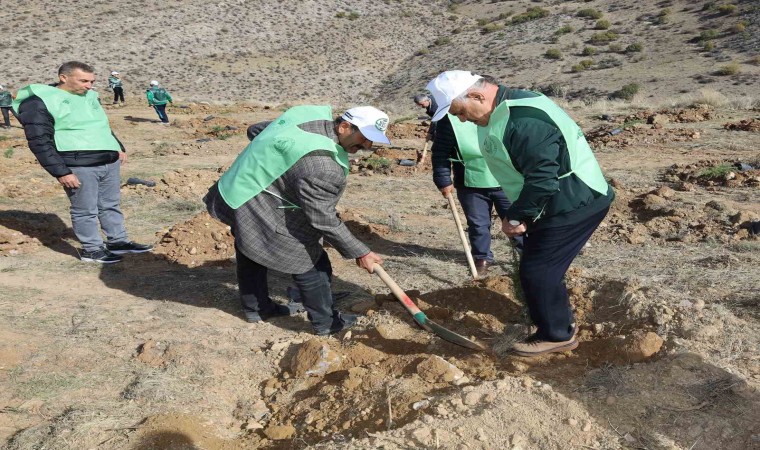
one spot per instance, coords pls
(287, 239)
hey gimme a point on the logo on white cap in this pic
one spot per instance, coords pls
(370, 121)
(449, 85)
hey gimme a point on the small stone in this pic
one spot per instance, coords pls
(699, 305)
(422, 404)
(436, 369)
(587, 426)
(269, 391)
(502, 385)
(471, 398)
(428, 419)
(422, 435)
(527, 382)
(193, 251)
(280, 432)
(572, 422)
(611, 400)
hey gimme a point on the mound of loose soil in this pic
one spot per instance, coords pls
(663, 215)
(743, 125)
(188, 184)
(200, 240)
(638, 134)
(408, 130)
(714, 173)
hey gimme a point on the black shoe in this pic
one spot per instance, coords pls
(341, 322)
(278, 311)
(122, 248)
(101, 255)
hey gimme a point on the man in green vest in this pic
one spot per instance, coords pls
(6, 103)
(115, 83)
(279, 198)
(158, 97)
(456, 147)
(68, 132)
(559, 195)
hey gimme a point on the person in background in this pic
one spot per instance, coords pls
(115, 83)
(6, 103)
(158, 97)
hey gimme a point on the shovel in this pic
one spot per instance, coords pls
(462, 237)
(424, 154)
(420, 316)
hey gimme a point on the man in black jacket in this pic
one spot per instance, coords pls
(558, 192)
(68, 132)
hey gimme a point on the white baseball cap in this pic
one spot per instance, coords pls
(154, 83)
(371, 122)
(447, 86)
(114, 73)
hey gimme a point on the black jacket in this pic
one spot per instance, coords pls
(446, 148)
(538, 151)
(39, 129)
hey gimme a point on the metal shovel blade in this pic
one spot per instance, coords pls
(420, 316)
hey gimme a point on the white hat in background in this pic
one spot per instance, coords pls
(154, 83)
(114, 73)
(370, 121)
(449, 85)
(2, 87)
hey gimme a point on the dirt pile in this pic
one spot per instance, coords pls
(389, 373)
(638, 134)
(664, 215)
(743, 125)
(200, 240)
(190, 184)
(715, 173)
(408, 130)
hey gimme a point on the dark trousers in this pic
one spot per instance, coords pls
(118, 94)
(314, 286)
(547, 255)
(7, 110)
(477, 204)
(161, 111)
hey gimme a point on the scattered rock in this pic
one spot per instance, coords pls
(315, 358)
(280, 432)
(436, 369)
(471, 398)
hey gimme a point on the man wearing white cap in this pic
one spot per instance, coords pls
(559, 195)
(115, 83)
(158, 97)
(279, 198)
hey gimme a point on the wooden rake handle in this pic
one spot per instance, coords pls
(462, 236)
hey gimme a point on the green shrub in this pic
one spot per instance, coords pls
(727, 9)
(708, 34)
(8, 152)
(609, 62)
(583, 65)
(708, 46)
(553, 53)
(531, 14)
(340, 15)
(602, 24)
(738, 28)
(718, 171)
(375, 162)
(353, 15)
(662, 17)
(634, 48)
(565, 29)
(588, 51)
(603, 37)
(442, 40)
(491, 27)
(626, 92)
(729, 69)
(755, 60)
(589, 13)
(615, 48)
(422, 51)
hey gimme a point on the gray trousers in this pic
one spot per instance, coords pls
(97, 200)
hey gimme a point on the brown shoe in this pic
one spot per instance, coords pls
(482, 266)
(533, 346)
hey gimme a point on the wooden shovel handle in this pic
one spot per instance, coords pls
(424, 154)
(462, 236)
(419, 316)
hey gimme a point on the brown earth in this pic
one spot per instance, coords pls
(152, 353)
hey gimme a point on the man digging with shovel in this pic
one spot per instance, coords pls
(559, 196)
(279, 198)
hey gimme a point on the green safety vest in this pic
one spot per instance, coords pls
(80, 122)
(582, 161)
(476, 173)
(275, 150)
(5, 98)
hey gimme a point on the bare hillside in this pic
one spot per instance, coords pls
(362, 51)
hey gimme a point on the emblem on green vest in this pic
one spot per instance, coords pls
(284, 144)
(381, 124)
(490, 145)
